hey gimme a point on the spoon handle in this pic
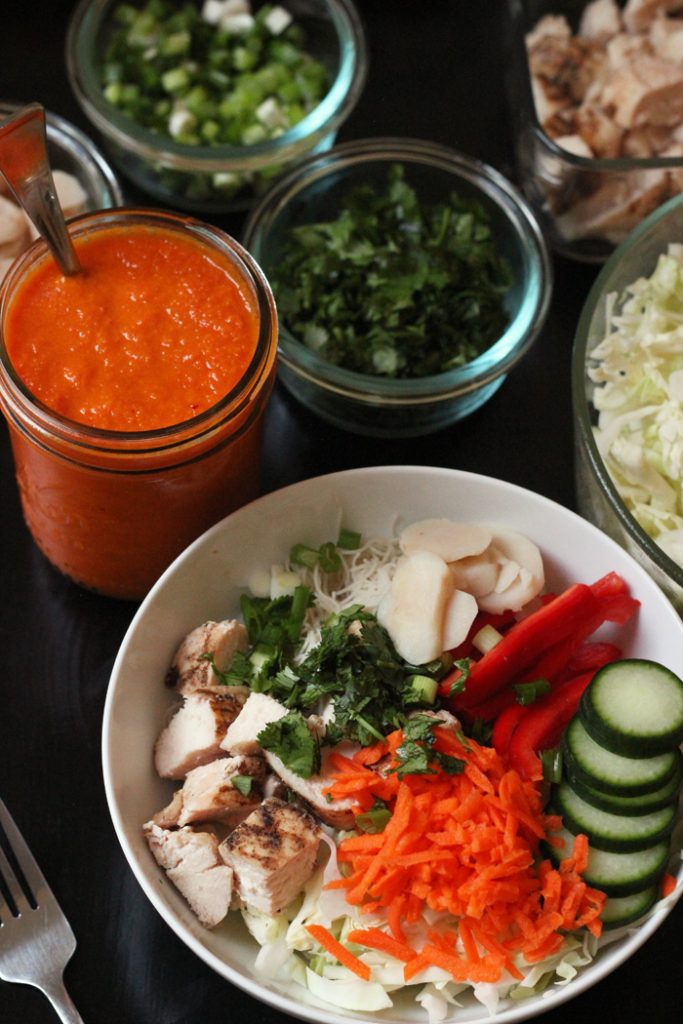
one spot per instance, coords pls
(24, 163)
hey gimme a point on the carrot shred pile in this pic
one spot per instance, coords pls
(467, 844)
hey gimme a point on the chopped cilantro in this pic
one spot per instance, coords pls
(417, 289)
(292, 741)
(416, 754)
(242, 783)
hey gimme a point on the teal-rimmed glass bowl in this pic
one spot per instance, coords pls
(219, 178)
(391, 407)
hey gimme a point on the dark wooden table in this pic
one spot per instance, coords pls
(437, 69)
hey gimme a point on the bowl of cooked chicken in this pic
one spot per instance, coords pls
(598, 115)
(328, 752)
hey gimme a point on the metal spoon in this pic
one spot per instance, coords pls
(24, 163)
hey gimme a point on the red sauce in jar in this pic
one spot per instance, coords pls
(165, 344)
(155, 330)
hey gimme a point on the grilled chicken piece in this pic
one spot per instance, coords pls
(192, 862)
(272, 855)
(259, 710)
(194, 734)
(190, 669)
(639, 14)
(648, 91)
(600, 21)
(338, 813)
(209, 794)
(168, 816)
(616, 207)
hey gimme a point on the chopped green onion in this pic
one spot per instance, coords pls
(349, 540)
(527, 693)
(330, 560)
(486, 639)
(551, 764)
(302, 555)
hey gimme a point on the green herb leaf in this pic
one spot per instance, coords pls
(375, 820)
(417, 288)
(292, 741)
(242, 783)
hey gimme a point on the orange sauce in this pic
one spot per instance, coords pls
(161, 330)
(153, 332)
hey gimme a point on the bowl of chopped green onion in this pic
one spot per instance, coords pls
(203, 103)
(409, 280)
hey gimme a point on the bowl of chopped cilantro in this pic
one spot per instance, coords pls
(202, 103)
(409, 280)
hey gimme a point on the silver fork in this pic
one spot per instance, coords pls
(36, 940)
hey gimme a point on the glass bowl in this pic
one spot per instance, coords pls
(597, 495)
(219, 178)
(586, 205)
(385, 406)
(72, 151)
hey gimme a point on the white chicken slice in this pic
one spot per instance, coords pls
(192, 862)
(258, 711)
(194, 734)
(272, 854)
(191, 669)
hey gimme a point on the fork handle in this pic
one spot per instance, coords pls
(61, 1001)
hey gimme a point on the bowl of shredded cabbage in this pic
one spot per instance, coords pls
(305, 781)
(627, 382)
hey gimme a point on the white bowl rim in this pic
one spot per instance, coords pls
(551, 998)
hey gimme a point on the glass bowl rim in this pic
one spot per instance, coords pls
(596, 296)
(495, 361)
(86, 435)
(324, 119)
(584, 163)
(74, 141)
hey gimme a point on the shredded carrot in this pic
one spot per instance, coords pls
(327, 940)
(466, 844)
(375, 938)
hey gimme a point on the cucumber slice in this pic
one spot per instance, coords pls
(620, 910)
(628, 805)
(608, 831)
(634, 708)
(617, 874)
(602, 769)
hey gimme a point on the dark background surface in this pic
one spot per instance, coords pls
(437, 71)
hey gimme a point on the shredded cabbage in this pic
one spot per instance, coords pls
(638, 373)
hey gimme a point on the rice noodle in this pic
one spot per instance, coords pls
(363, 579)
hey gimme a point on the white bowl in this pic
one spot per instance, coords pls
(205, 583)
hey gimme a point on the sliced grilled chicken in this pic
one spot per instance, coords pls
(192, 862)
(259, 710)
(191, 669)
(338, 813)
(272, 854)
(209, 793)
(194, 734)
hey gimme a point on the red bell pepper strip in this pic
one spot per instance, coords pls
(523, 643)
(542, 726)
(491, 708)
(505, 725)
(594, 655)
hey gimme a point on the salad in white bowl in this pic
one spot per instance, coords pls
(356, 790)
